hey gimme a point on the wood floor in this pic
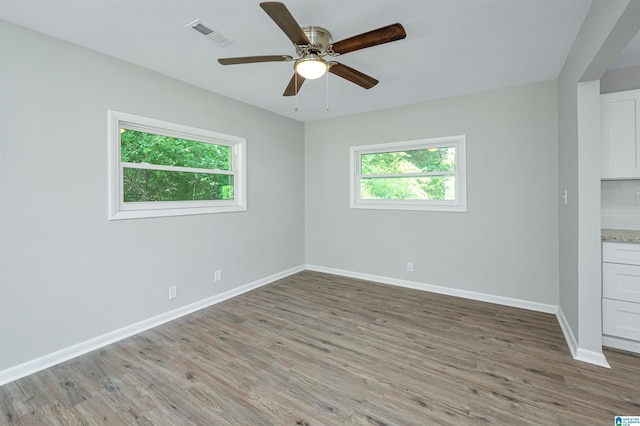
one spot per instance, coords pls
(317, 349)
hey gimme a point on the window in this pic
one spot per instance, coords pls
(159, 168)
(427, 174)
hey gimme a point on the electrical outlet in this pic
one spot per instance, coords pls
(410, 266)
(173, 292)
(217, 275)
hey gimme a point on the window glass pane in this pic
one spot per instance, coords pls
(142, 185)
(409, 188)
(142, 147)
(411, 161)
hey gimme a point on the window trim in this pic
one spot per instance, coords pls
(118, 209)
(457, 205)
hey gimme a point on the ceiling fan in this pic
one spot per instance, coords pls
(313, 44)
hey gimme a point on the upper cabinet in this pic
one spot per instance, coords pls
(620, 127)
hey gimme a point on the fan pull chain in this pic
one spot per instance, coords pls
(327, 91)
(295, 76)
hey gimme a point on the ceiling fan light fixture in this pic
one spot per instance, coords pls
(311, 66)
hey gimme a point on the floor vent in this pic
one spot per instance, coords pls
(209, 33)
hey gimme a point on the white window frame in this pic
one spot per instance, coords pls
(457, 205)
(118, 209)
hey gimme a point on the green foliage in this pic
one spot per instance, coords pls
(145, 185)
(415, 188)
(142, 185)
(402, 162)
(141, 147)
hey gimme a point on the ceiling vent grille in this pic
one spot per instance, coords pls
(209, 33)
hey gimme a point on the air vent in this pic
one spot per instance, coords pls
(209, 32)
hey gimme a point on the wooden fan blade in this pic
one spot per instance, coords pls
(291, 89)
(372, 38)
(287, 23)
(353, 75)
(253, 59)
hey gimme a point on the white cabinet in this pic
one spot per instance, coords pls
(622, 320)
(621, 296)
(621, 282)
(620, 134)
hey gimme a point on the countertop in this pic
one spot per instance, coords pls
(621, 236)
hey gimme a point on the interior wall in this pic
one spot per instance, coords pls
(589, 229)
(67, 274)
(504, 245)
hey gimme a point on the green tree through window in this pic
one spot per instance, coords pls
(164, 168)
(400, 175)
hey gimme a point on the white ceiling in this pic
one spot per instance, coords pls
(453, 47)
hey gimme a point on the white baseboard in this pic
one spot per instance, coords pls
(578, 353)
(49, 360)
(568, 334)
(483, 297)
(592, 357)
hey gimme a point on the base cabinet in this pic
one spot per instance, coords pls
(621, 296)
(621, 319)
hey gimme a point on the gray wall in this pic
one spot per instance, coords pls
(504, 245)
(68, 274)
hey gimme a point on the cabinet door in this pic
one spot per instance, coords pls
(625, 253)
(621, 282)
(621, 319)
(620, 120)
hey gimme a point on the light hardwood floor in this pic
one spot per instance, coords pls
(317, 349)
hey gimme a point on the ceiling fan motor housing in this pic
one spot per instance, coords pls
(319, 39)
